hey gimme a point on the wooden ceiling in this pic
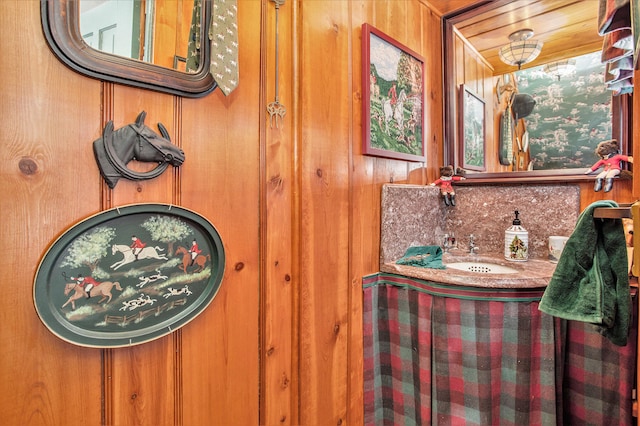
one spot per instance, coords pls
(566, 27)
(446, 7)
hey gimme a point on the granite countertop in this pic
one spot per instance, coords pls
(534, 273)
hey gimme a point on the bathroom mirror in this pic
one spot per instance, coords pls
(150, 53)
(572, 114)
(482, 30)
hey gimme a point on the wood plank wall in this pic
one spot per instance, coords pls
(206, 373)
(297, 207)
(339, 217)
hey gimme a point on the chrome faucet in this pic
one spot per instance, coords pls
(473, 248)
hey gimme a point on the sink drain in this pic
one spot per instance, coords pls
(481, 268)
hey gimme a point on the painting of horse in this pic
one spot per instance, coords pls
(103, 289)
(129, 257)
(200, 261)
(392, 123)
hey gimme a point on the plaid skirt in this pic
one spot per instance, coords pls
(451, 355)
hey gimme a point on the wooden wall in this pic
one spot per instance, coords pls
(206, 373)
(472, 70)
(297, 208)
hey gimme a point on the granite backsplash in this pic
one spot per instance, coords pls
(414, 215)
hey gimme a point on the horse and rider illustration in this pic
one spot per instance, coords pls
(82, 287)
(192, 257)
(137, 252)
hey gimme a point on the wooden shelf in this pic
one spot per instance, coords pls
(620, 212)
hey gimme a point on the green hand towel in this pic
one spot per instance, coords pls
(423, 256)
(591, 282)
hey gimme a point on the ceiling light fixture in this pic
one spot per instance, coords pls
(560, 68)
(520, 50)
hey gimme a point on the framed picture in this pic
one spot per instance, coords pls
(393, 97)
(472, 130)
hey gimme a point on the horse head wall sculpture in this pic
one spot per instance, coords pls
(115, 149)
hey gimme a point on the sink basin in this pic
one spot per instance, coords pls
(482, 267)
(480, 270)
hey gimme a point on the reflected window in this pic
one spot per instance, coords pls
(89, 39)
(108, 41)
(116, 22)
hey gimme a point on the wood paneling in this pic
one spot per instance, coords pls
(207, 372)
(471, 69)
(567, 28)
(172, 28)
(445, 7)
(46, 113)
(368, 174)
(297, 208)
(221, 136)
(279, 196)
(324, 212)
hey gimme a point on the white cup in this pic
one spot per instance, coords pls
(556, 245)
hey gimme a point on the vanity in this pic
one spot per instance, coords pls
(452, 346)
(484, 271)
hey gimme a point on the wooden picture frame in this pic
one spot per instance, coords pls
(393, 98)
(472, 135)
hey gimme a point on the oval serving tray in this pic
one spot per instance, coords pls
(137, 298)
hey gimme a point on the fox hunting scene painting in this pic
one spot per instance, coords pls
(393, 96)
(129, 275)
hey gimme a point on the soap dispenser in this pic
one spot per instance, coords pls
(516, 241)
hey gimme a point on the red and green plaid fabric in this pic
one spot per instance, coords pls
(598, 376)
(499, 360)
(397, 356)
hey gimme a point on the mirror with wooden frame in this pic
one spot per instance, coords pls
(472, 40)
(61, 26)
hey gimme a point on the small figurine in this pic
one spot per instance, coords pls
(611, 160)
(445, 182)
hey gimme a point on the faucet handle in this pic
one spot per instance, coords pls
(473, 248)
